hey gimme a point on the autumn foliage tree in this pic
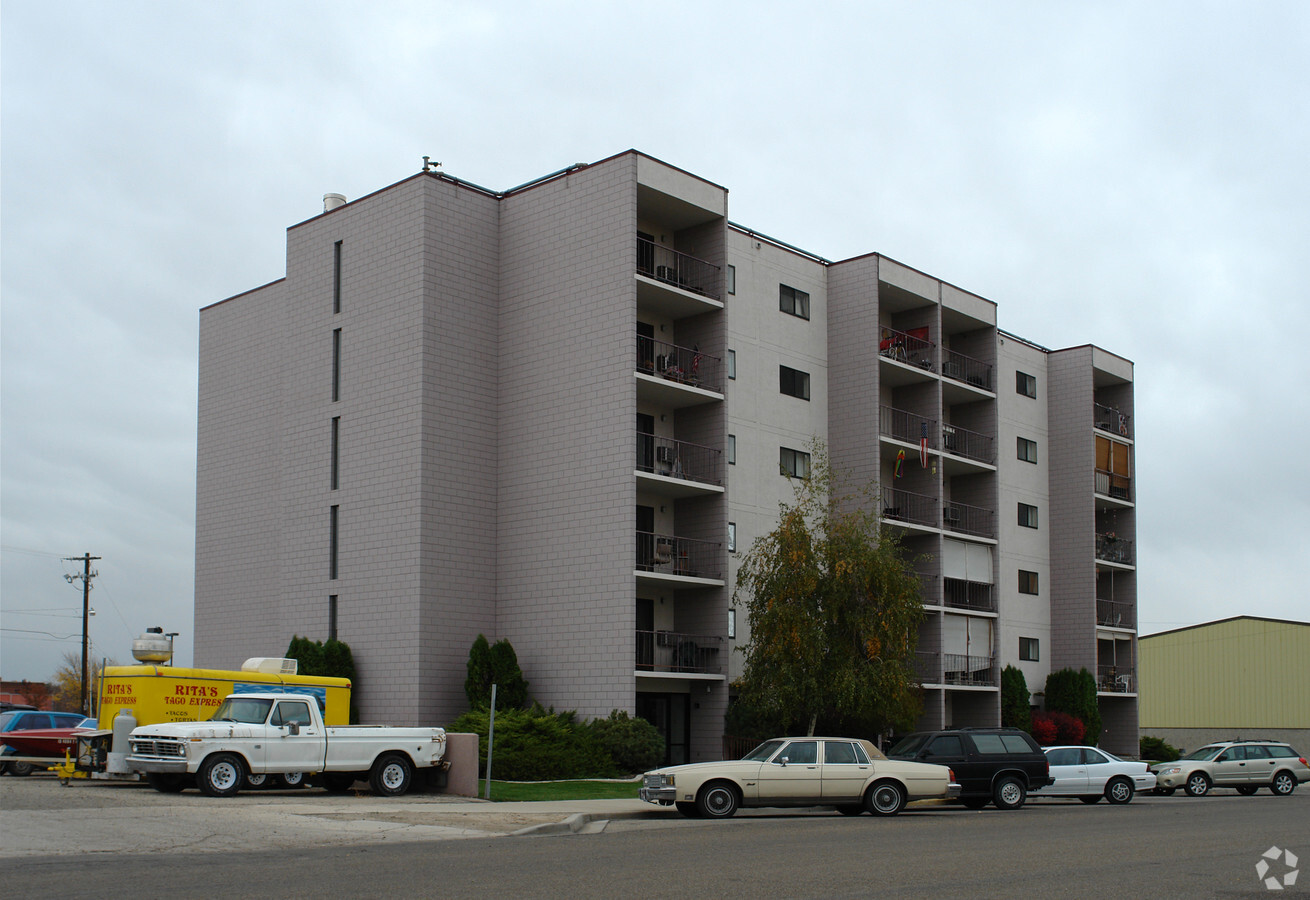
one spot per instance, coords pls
(66, 686)
(834, 608)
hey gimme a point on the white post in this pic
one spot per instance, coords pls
(491, 735)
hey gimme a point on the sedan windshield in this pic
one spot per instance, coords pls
(763, 751)
(249, 710)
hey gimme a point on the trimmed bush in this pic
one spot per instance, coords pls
(1155, 748)
(1016, 703)
(1057, 728)
(536, 744)
(632, 743)
(1044, 730)
(496, 664)
(1074, 693)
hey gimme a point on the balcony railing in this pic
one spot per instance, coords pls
(973, 595)
(668, 651)
(679, 459)
(1114, 549)
(907, 426)
(671, 555)
(1115, 614)
(1119, 487)
(1108, 418)
(954, 668)
(969, 444)
(910, 347)
(966, 369)
(1116, 680)
(969, 519)
(681, 364)
(904, 506)
(677, 269)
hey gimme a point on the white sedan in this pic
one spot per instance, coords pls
(1090, 774)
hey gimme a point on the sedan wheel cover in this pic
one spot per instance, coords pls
(1120, 791)
(718, 800)
(1283, 784)
(886, 798)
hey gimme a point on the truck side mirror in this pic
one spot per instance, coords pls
(293, 728)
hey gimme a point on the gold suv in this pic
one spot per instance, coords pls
(1246, 766)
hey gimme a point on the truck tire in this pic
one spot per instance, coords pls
(292, 779)
(221, 775)
(166, 783)
(391, 775)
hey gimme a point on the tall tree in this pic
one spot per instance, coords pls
(496, 664)
(834, 607)
(1016, 703)
(66, 686)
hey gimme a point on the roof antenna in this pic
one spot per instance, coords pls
(430, 165)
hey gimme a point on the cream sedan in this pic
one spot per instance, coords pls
(848, 774)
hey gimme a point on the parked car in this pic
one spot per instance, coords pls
(996, 765)
(38, 733)
(1245, 765)
(1089, 774)
(848, 774)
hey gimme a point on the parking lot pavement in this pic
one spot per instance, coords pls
(39, 817)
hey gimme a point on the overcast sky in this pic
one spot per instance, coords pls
(1132, 175)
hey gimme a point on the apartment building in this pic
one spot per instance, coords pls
(557, 414)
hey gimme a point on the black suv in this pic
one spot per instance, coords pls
(999, 765)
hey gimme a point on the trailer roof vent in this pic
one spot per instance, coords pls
(269, 665)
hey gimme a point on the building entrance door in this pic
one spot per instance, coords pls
(671, 716)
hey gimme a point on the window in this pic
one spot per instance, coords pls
(1027, 450)
(838, 752)
(794, 382)
(945, 745)
(732, 623)
(336, 364)
(732, 537)
(805, 753)
(732, 364)
(732, 279)
(332, 541)
(1027, 515)
(732, 449)
(1027, 582)
(336, 450)
(332, 617)
(1025, 384)
(794, 463)
(336, 277)
(794, 302)
(1028, 649)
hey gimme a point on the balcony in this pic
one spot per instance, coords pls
(972, 595)
(671, 652)
(957, 669)
(904, 506)
(902, 425)
(965, 519)
(677, 376)
(664, 554)
(969, 444)
(679, 270)
(1115, 614)
(1116, 487)
(680, 460)
(1109, 418)
(909, 347)
(971, 371)
(1113, 549)
(1116, 680)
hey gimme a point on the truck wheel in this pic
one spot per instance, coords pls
(292, 779)
(338, 782)
(391, 775)
(256, 781)
(221, 775)
(165, 783)
(1009, 794)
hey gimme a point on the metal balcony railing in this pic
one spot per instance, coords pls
(1114, 549)
(966, 369)
(974, 595)
(905, 506)
(668, 651)
(1109, 418)
(1116, 680)
(969, 444)
(1119, 487)
(681, 364)
(969, 519)
(677, 269)
(671, 555)
(961, 669)
(910, 347)
(907, 426)
(679, 459)
(1115, 614)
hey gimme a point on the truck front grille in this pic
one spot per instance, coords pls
(164, 748)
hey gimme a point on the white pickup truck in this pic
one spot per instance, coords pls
(253, 736)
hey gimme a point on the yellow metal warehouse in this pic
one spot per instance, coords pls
(1244, 676)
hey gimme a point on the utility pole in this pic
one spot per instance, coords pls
(85, 578)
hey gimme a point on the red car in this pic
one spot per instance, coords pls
(40, 734)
